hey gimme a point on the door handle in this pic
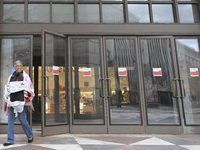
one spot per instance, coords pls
(183, 93)
(47, 93)
(109, 87)
(174, 90)
(100, 88)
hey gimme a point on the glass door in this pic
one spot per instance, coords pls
(160, 85)
(87, 94)
(189, 64)
(123, 90)
(54, 87)
(13, 48)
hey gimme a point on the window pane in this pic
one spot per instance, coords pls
(113, 13)
(137, 0)
(188, 13)
(161, 0)
(162, 13)
(87, 0)
(38, 13)
(62, 0)
(189, 60)
(88, 13)
(187, 0)
(111, 0)
(63, 13)
(38, 0)
(13, 13)
(138, 13)
(14, 0)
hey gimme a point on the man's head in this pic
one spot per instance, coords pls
(18, 66)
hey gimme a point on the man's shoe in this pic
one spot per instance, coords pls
(30, 140)
(7, 144)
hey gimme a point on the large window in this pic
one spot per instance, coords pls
(138, 13)
(101, 11)
(88, 13)
(13, 13)
(113, 13)
(162, 13)
(39, 13)
(188, 13)
(62, 13)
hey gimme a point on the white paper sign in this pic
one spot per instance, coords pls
(86, 72)
(122, 71)
(194, 72)
(55, 70)
(157, 72)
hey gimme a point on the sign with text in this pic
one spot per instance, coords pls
(194, 72)
(86, 72)
(55, 70)
(122, 71)
(157, 72)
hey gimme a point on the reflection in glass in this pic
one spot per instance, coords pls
(157, 65)
(88, 13)
(138, 13)
(13, 13)
(113, 13)
(162, 13)
(39, 13)
(189, 58)
(188, 13)
(55, 89)
(86, 67)
(123, 75)
(63, 13)
(12, 49)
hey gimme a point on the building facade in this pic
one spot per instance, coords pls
(105, 66)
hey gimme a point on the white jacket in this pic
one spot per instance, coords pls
(13, 87)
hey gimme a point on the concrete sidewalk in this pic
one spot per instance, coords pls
(104, 142)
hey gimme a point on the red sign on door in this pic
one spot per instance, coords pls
(194, 72)
(122, 71)
(86, 72)
(157, 72)
(55, 70)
